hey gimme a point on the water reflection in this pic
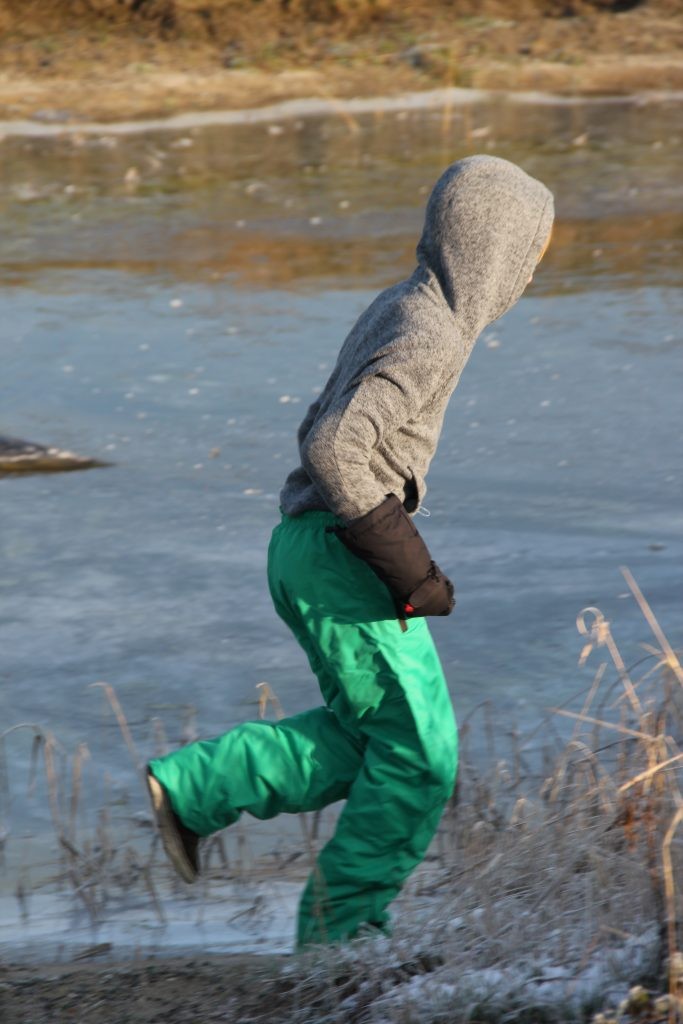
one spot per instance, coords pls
(373, 251)
(304, 202)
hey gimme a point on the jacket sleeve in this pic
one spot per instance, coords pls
(389, 393)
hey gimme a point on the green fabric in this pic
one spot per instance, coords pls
(386, 739)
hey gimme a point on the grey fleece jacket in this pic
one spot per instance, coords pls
(375, 427)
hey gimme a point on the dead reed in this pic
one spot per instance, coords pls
(554, 886)
(553, 892)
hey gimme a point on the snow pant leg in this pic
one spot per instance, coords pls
(387, 688)
(394, 806)
(300, 763)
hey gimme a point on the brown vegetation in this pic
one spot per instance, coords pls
(118, 58)
(292, 24)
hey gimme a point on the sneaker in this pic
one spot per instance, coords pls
(181, 845)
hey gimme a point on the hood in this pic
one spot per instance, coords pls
(485, 227)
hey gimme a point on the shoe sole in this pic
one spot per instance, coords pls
(170, 838)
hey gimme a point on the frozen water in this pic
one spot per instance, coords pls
(232, 918)
(180, 330)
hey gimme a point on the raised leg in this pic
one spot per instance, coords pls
(301, 763)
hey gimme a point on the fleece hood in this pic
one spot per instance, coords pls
(375, 426)
(486, 224)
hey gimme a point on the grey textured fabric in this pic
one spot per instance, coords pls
(375, 427)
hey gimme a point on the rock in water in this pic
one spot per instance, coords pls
(18, 456)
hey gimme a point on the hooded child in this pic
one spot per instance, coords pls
(351, 576)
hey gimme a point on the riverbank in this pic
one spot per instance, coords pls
(137, 991)
(60, 66)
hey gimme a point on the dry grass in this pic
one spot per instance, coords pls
(108, 60)
(242, 25)
(554, 885)
(541, 902)
(206, 17)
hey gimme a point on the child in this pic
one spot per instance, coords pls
(350, 575)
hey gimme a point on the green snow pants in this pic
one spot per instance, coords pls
(385, 741)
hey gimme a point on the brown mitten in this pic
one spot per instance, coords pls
(388, 540)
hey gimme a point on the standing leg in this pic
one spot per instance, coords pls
(395, 804)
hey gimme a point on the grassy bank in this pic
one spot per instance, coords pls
(110, 59)
(553, 887)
